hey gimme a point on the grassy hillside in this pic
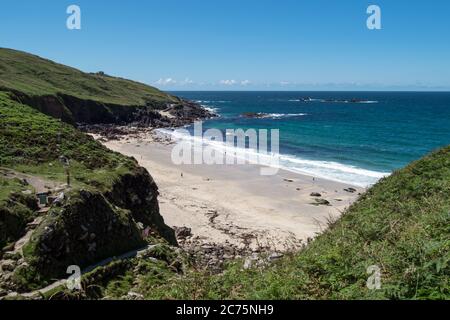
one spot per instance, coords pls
(30, 140)
(110, 197)
(35, 76)
(15, 209)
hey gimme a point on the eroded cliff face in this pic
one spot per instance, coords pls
(138, 192)
(50, 105)
(74, 111)
(84, 230)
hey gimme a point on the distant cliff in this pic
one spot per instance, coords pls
(78, 97)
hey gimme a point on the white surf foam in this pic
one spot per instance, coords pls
(284, 115)
(210, 109)
(327, 170)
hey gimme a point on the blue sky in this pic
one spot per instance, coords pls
(242, 44)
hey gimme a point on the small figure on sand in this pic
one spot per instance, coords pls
(182, 174)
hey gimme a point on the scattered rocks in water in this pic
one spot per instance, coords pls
(315, 194)
(254, 115)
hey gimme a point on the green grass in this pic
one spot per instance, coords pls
(36, 76)
(31, 142)
(8, 186)
(14, 213)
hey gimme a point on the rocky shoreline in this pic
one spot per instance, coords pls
(173, 116)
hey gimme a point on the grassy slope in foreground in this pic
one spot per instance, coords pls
(36, 76)
(401, 225)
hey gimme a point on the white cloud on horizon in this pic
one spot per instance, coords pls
(166, 82)
(187, 81)
(228, 82)
(171, 82)
(189, 84)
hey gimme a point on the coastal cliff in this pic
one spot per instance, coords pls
(77, 97)
(109, 207)
(97, 204)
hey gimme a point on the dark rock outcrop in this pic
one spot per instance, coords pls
(183, 232)
(254, 115)
(74, 111)
(138, 192)
(84, 230)
(88, 226)
(14, 216)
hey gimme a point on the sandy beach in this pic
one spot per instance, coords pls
(234, 204)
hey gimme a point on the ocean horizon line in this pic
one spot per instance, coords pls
(319, 91)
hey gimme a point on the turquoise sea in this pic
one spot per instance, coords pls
(353, 137)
